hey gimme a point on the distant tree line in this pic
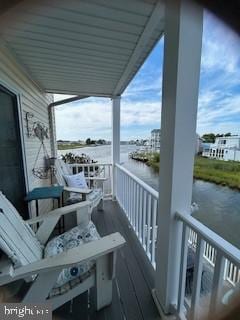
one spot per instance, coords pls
(100, 141)
(211, 137)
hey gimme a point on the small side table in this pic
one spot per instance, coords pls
(52, 192)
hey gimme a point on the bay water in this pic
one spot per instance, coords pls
(219, 207)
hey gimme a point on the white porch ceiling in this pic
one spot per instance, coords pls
(87, 47)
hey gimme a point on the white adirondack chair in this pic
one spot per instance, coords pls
(25, 251)
(93, 195)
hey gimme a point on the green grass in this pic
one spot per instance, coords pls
(226, 173)
(70, 146)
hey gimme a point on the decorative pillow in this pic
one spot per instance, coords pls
(76, 180)
(68, 240)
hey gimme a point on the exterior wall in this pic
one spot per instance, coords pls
(155, 139)
(224, 148)
(233, 155)
(31, 99)
(228, 142)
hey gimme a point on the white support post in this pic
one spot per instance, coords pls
(181, 70)
(115, 140)
(52, 126)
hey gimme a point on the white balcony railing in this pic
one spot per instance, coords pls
(231, 271)
(222, 256)
(103, 170)
(139, 202)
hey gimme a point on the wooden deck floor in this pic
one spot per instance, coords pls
(132, 298)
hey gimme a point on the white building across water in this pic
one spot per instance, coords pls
(155, 139)
(224, 148)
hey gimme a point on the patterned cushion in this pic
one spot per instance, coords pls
(74, 198)
(95, 194)
(68, 240)
(71, 284)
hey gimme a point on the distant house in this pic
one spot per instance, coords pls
(224, 148)
(155, 139)
(199, 145)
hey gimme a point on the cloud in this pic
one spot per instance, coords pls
(92, 118)
(221, 46)
(219, 97)
(82, 119)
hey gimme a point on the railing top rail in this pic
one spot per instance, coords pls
(227, 249)
(153, 192)
(88, 164)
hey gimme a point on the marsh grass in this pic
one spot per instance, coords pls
(226, 173)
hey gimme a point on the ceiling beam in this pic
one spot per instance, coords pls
(155, 20)
(74, 92)
(58, 103)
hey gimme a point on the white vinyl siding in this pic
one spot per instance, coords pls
(34, 100)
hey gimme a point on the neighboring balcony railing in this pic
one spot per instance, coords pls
(103, 170)
(140, 202)
(221, 255)
(231, 271)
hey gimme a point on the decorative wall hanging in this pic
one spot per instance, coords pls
(40, 131)
(36, 128)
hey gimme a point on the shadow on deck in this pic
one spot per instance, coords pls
(134, 277)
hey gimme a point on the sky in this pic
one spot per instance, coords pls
(218, 103)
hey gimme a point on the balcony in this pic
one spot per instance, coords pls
(209, 265)
(171, 264)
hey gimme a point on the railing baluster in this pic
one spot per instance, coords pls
(88, 171)
(125, 192)
(149, 224)
(183, 269)
(122, 190)
(144, 218)
(137, 210)
(118, 185)
(140, 214)
(154, 230)
(134, 205)
(131, 198)
(217, 283)
(197, 277)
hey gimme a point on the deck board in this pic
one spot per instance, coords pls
(130, 255)
(132, 298)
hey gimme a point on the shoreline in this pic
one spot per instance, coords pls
(210, 170)
(70, 147)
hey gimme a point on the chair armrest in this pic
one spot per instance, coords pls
(96, 179)
(89, 251)
(59, 212)
(50, 219)
(77, 190)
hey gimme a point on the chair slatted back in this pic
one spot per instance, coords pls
(16, 237)
(61, 170)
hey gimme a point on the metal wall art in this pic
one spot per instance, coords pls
(42, 168)
(36, 128)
